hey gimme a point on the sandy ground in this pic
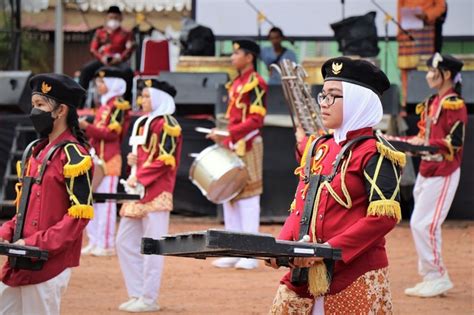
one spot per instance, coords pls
(193, 286)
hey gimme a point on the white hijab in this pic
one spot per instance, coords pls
(361, 108)
(115, 87)
(161, 103)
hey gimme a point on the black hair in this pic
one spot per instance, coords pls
(254, 60)
(456, 86)
(276, 30)
(72, 120)
(114, 9)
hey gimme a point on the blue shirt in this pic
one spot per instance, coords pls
(268, 56)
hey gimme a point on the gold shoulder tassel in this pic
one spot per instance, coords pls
(74, 170)
(81, 211)
(256, 109)
(396, 157)
(173, 131)
(122, 104)
(453, 104)
(115, 126)
(389, 208)
(168, 159)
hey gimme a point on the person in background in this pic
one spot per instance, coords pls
(105, 135)
(275, 54)
(246, 111)
(409, 51)
(443, 118)
(60, 201)
(111, 46)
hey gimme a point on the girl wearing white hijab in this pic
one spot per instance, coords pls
(156, 148)
(105, 135)
(347, 198)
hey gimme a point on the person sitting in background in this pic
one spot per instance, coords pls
(111, 46)
(276, 53)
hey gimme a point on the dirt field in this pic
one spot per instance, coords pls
(192, 286)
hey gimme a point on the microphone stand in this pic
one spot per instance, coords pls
(388, 18)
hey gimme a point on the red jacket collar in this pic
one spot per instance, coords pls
(367, 131)
(43, 144)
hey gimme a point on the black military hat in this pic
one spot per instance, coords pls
(110, 72)
(59, 87)
(160, 85)
(446, 62)
(357, 71)
(114, 9)
(247, 45)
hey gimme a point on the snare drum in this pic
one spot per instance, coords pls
(219, 173)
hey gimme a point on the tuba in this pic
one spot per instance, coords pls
(304, 111)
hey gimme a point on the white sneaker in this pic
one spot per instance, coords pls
(246, 263)
(140, 306)
(225, 262)
(100, 252)
(414, 290)
(124, 305)
(436, 287)
(87, 250)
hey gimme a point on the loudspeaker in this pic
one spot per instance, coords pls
(14, 90)
(357, 35)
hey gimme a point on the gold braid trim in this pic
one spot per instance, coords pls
(396, 157)
(449, 146)
(293, 205)
(173, 131)
(74, 170)
(299, 169)
(389, 208)
(81, 211)
(250, 85)
(420, 108)
(453, 104)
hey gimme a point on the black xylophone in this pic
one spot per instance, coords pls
(219, 243)
(13, 250)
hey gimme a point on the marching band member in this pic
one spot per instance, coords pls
(105, 134)
(442, 124)
(347, 197)
(157, 139)
(245, 112)
(60, 201)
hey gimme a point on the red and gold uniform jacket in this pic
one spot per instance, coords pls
(158, 159)
(58, 211)
(246, 110)
(442, 124)
(105, 43)
(106, 133)
(354, 210)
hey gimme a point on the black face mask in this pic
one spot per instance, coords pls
(42, 121)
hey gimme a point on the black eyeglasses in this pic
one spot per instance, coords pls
(328, 98)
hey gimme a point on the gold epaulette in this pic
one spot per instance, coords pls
(420, 107)
(389, 152)
(115, 126)
(385, 207)
(167, 159)
(257, 109)
(251, 84)
(171, 127)
(81, 211)
(77, 163)
(122, 104)
(453, 103)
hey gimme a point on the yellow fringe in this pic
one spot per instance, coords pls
(249, 86)
(173, 131)
(456, 104)
(299, 169)
(74, 170)
(115, 126)
(122, 104)
(168, 159)
(18, 169)
(256, 109)
(81, 212)
(389, 208)
(397, 157)
(318, 282)
(420, 108)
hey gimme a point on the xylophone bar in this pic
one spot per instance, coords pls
(218, 243)
(12, 250)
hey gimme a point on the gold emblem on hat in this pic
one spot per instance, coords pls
(437, 58)
(45, 88)
(101, 74)
(148, 83)
(236, 46)
(336, 67)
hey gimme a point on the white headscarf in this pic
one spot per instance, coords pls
(361, 108)
(161, 103)
(115, 87)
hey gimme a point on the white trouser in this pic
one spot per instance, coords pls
(142, 273)
(35, 299)
(242, 215)
(433, 197)
(101, 229)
